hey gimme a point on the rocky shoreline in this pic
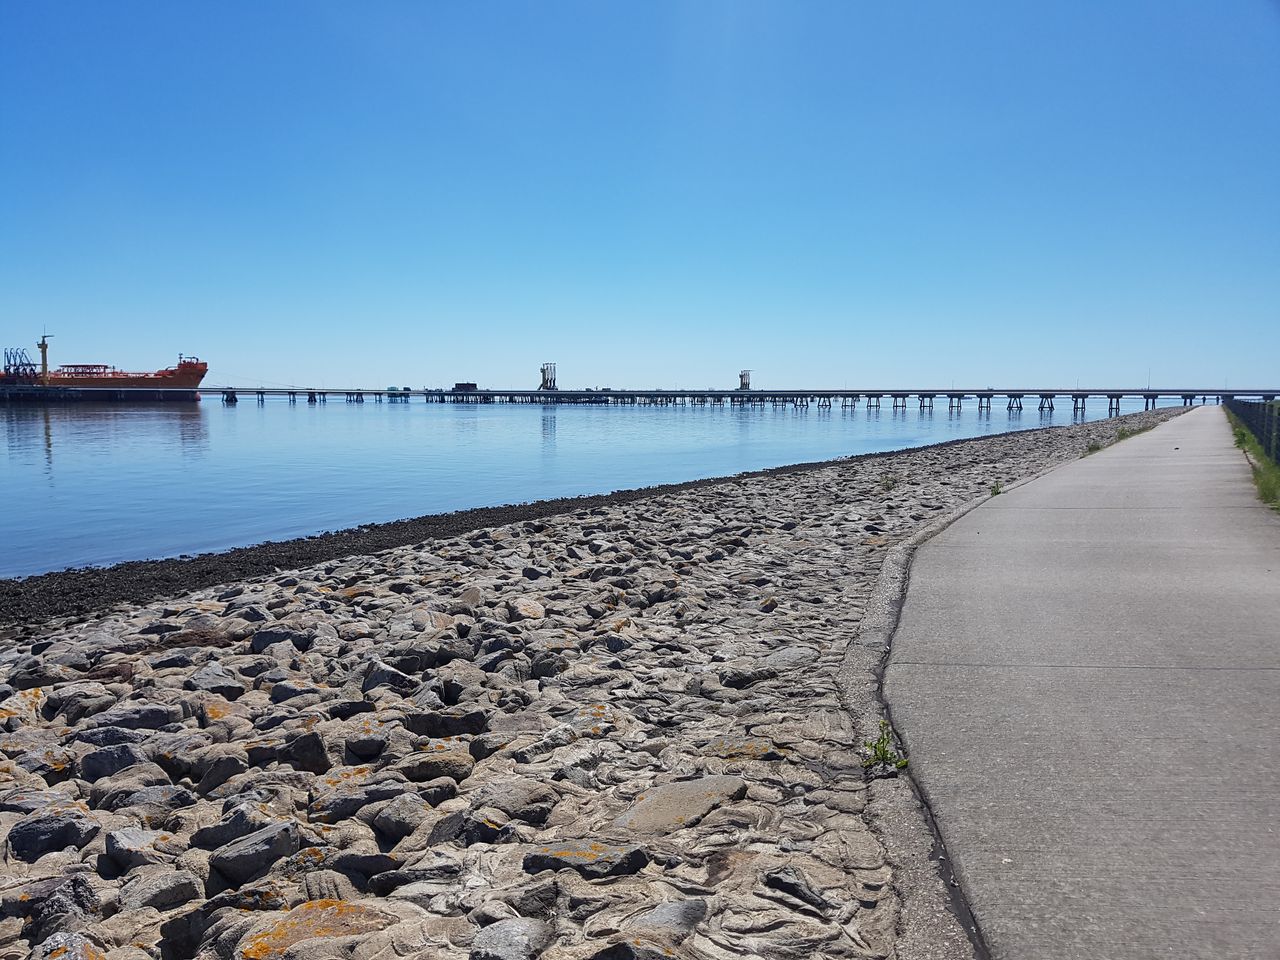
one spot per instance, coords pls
(621, 731)
(84, 591)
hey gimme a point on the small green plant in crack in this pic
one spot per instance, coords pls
(997, 488)
(1093, 447)
(883, 751)
(888, 483)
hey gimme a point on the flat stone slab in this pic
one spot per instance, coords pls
(674, 806)
(591, 859)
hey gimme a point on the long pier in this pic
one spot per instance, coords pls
(1013, 399)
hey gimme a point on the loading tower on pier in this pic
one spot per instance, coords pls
(744, 380)
(548, 377)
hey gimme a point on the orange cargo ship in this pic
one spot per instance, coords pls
(186, 375)
(21, 372)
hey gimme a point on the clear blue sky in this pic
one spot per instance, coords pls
(648, 193)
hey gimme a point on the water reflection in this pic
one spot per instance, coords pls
(98, 483)
(35, 432)
(549, 431)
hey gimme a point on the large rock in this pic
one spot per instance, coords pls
(153, 804)
(108, 736)
(744, 672)
(309, 752)
(23, 800)
(244, 859)
(315, 920)
(789, 658)
(673, 806)
(161, 890)
(139, 716)
(525, 608)
(384, 675)
(109, 761)
(60, 905)
(75, 701)
(401, 816)
(591, 859)
(669, 921)
(135, 847)
(269, 636)
(51, 764)
(214, 678)
(68, 946)
(346, 800)
(452, 762)
(46, 831)
(515, 939)
(519, 798)
(238, 821)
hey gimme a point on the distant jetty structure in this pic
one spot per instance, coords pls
(1013, 399)
(549, 392)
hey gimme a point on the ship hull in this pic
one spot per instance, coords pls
(176, 383)
(129, 381)
(34, 393)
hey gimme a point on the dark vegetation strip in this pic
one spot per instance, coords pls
(76, 593)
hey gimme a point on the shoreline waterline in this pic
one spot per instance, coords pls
(104, 485)
(78, 592)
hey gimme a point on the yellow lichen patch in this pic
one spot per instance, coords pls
(592, 851)
(313, 920)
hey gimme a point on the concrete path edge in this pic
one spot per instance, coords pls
(936, 922)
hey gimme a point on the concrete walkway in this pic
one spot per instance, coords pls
(1087, 677)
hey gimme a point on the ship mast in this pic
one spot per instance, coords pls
(44, 359)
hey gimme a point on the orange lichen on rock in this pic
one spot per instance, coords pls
(341, 776)
(592, 851)
(310, 921)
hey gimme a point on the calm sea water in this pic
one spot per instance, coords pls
(89, 484)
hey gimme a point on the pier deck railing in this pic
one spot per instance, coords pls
(1263, 421)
